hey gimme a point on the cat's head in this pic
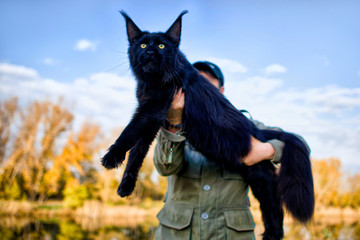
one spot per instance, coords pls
(153, 54)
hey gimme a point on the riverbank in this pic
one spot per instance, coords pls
(146, 209)
(90, 209)
(328, 215)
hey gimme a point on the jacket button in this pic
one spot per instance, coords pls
(204, 216)
(206, 187)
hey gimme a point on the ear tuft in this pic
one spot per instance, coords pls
(132, 30)
(175, 30)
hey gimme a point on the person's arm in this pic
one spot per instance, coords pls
(174, 114)
(270, 150)
(263, 151)
(169, 150)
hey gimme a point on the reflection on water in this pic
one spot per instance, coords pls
(68, 229)
(319, 230)
(115, 229)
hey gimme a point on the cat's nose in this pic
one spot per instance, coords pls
(150, 53)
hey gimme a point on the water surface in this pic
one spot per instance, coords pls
(12, 228)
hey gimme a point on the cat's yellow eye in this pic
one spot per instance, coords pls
(143, 45)
(161, 46)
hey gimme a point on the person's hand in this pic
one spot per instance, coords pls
(259, 151)
(174, 114)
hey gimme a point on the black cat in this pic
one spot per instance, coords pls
(213, 126)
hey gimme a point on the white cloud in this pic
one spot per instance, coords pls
(85, 45)
(106, 98)
(332, 98)
(275, 68)
(112, 81)
(260, 85)
(327, 117)
(228, 65)
(49, 61)
(16, 73)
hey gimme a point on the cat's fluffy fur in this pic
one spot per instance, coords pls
(213, 126)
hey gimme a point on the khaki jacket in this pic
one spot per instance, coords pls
(203, 200)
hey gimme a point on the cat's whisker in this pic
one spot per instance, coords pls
(118, 66)
(168, 73)
(174, 72)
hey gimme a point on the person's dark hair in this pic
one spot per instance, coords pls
(210, 68)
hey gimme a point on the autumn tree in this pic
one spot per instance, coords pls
(7, 114)
(35, 132)
(43, 157)
(327, 179)
(36, 161)
(72, 168)
(351, 197)
(333, 187)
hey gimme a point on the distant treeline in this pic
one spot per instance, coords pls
(43, 158)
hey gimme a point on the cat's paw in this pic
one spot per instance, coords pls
(113, 158)
(127, 185)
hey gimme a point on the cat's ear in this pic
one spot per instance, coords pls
(132, 30)
(175, 30)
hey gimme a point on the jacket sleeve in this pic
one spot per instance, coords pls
(277, 144)
(169, 153)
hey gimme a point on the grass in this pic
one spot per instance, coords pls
(47, 207)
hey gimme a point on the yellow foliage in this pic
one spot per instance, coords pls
(327, 178)
(29, 137)
(333, 187)
(36, 166)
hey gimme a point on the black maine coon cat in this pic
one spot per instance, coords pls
(213, 126)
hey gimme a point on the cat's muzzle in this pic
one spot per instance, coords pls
(151, 67)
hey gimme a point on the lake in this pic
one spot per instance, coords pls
(144, 229)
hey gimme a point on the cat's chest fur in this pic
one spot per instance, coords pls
(155, 97)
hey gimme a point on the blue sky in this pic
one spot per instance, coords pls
(293, 64)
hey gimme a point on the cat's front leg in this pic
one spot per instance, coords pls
(126, 140)
(113, 157)
(136, 157)
(117, 152)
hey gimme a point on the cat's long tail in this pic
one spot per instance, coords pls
(295, 179)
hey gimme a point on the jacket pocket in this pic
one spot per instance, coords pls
(175, 220)
(240, 224)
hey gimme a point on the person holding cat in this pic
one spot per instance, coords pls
(203, 199)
